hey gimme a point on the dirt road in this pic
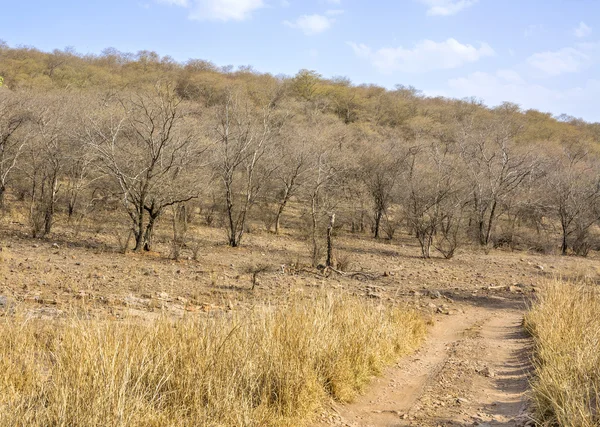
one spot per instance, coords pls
(472, 371)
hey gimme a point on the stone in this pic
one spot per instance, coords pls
(487, 372)
(435, 294)
(442, 310)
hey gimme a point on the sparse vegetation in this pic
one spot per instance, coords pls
(566, 329)
(247, 196)
(273, 366)
(143, 133)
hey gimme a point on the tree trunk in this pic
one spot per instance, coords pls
(378, 216)
(564, 246)
(330, 258)
(315, 246)
(490, 222)
(149, 233)
(138, 231)
(2, 196)
(278, 217)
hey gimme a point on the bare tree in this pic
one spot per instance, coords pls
(493, 164)
(244, 136)
(291, 152)
(428, 186)
(324, 185)
(380, 169)
(51, 121)
(14, 135)
(146, 145)
(573, 189)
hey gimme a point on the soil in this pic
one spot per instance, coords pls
(472, 370)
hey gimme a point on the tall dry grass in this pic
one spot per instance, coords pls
(565, 324)
(273, 366)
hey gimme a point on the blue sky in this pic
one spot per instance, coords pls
(542, 54)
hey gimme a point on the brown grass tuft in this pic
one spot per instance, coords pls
(565, 323)
(273, 366)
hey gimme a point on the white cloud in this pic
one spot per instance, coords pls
(510, 76)
(182, 3)
(554, 63)
(225, 10)
(218, 10)
(311, 24)
(427, 55)
(582, 30)
(507, 85)
(447, 7)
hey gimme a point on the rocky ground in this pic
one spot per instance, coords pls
(472, 370)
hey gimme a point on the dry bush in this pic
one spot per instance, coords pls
(122, 238)
(566, 329)
(267, 367)
(343, 261)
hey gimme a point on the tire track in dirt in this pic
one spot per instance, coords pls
(472, 370)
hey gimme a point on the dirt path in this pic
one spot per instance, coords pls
(472, 371)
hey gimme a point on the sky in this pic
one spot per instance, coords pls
(541, 54)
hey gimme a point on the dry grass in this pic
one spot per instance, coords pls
(273, 366)
(565, 323)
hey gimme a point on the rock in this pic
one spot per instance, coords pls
(540, 267)
(462, 401)
(162, 295)
(487, 372)
(443, 310)
(515, 289)
(55, 246)
(432, 306)
(435, 294)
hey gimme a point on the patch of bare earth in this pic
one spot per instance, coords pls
(472, 371)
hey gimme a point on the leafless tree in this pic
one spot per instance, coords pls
(494, 166)
(145, 143)
(573, 189)
(380, 170)
(52, 117)
(244, 136)
(14, 135)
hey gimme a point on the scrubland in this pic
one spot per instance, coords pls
(271, 366)
(565, 325)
